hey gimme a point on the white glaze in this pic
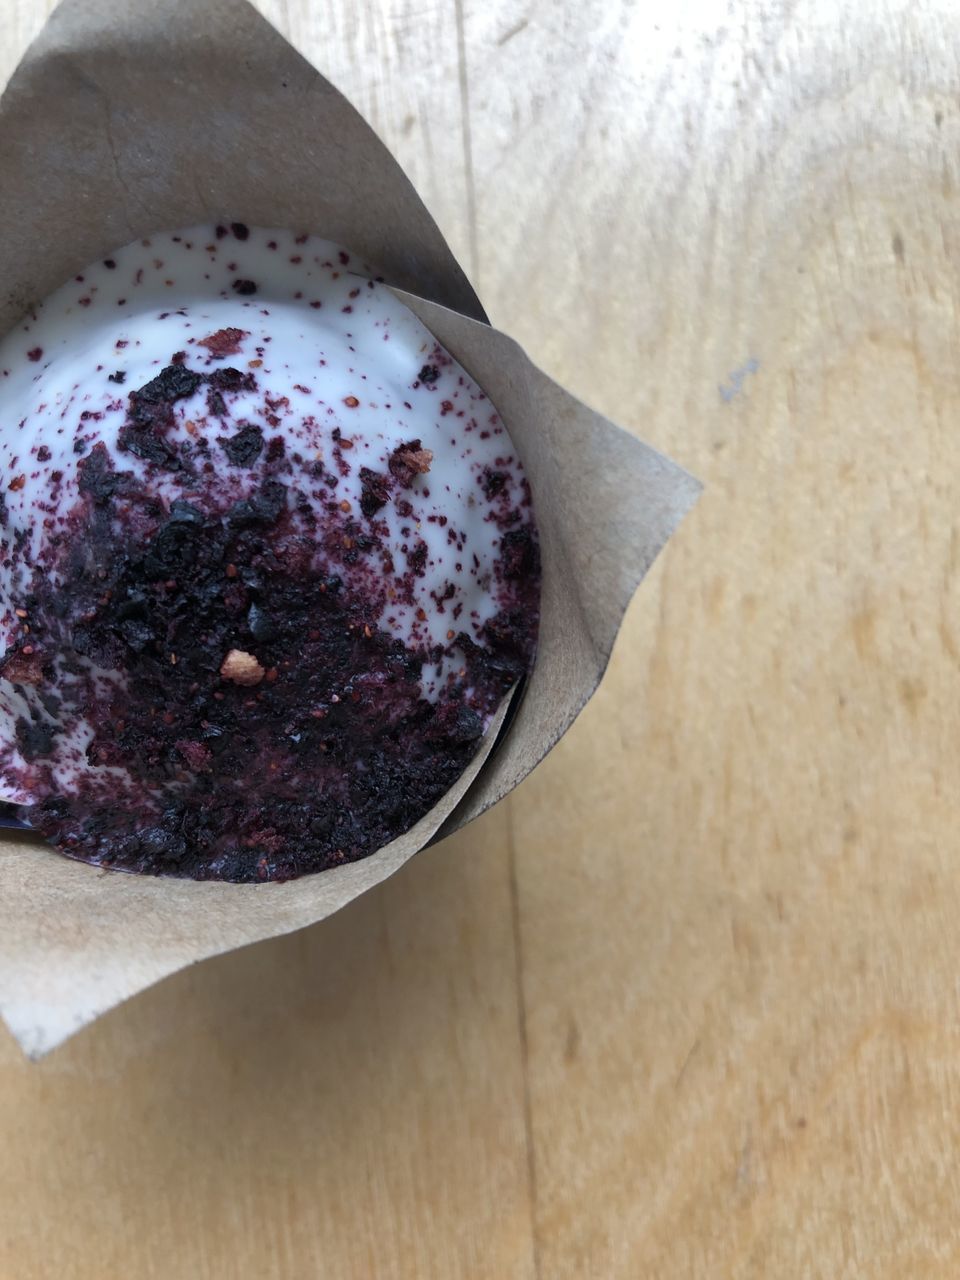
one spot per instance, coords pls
(165, 295)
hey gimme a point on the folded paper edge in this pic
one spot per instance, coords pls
(66, 35)
(680, 490)
(34, 1035)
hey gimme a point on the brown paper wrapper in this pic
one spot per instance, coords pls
(125, 120)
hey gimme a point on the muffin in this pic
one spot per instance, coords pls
(270, 561)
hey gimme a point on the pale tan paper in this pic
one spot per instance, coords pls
(76, 941)
(124, 120)
(606, 504)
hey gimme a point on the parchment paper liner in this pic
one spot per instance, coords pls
(124, 120)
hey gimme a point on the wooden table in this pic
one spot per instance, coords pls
(686, 1004)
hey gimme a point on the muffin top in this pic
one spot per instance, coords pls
(269, 560)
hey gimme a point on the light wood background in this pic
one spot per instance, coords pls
(687, 1004)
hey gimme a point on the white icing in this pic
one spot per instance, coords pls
(163, 296)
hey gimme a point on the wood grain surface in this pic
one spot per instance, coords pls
(687, 1004)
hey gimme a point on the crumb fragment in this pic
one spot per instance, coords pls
(196, 754)
(22, 666)
(241, 668)
(225, 342)
(409, 460)
(418, 459)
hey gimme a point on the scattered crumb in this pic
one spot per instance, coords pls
(241, 668)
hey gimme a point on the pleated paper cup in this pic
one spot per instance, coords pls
(126, 120)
